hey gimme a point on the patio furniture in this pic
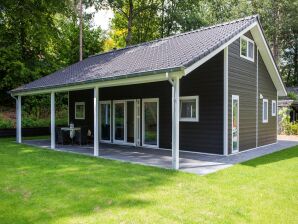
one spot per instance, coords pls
(90, 137)
(60, 137)
(73, 132)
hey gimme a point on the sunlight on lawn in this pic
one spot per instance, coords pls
(44, 186)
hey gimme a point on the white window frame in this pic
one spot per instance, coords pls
(253, 52)
(273, 108)
(194, 119)
(235, 97)
(263, 113)
(79, 104)
(143, 122)
(114, 123)
(100, 108)
(125, 142)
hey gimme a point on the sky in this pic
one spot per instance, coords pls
(101, 18)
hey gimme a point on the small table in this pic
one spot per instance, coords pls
(73, 129)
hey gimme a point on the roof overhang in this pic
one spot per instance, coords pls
(263, 49)
(163, 74)
(267, 57)
(131, 79)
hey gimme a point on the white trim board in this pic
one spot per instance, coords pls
(235, 97)
(255, 148)
(265, 52)
(108, 83)
(215, 52)
(258, 38)
(248, 40)
(188, 119)
(266, 55)
(106, 102)
(146, 100)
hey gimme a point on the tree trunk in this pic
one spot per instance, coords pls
(296, 62)
(81, 29)
(276, 36)
(162, 19)
(129, 24)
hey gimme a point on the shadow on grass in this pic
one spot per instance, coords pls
(273, 157)
(46, 186)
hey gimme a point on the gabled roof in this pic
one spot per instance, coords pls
(173, 53)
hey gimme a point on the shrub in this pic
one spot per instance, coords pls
(285, 126)
(6, 123)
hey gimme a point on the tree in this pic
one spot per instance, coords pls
(39, 39)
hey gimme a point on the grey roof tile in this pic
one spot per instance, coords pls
(176, 51)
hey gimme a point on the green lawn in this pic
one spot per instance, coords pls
(43, 186)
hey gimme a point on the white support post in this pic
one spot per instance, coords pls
(19, 119)
(53, 134)
(96, 117)
(175, 122)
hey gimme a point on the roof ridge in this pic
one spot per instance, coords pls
(179, 34)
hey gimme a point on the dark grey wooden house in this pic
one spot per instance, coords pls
(212, 90)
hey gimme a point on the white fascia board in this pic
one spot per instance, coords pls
(222, 47)
(264, 51)
(109, 83)
(266, 55)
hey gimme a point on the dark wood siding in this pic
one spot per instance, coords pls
(160, 90)
(242, 82)
(82, 96)
(207, 82)
(267, 131)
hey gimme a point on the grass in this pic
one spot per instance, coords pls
(43, 186)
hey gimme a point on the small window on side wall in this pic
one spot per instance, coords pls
(246, 48)
(265, 111)
(189, 108)
(273, 108)
(80, 110)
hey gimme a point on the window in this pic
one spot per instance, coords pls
(247, 48)
(80, 110)
(150, 122)
(265, 111)
(105, 121)
(189, 108)
(273, 109)
(235, 123)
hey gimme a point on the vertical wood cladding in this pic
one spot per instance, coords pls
(267, 131)
(242, 82)
(207, 82)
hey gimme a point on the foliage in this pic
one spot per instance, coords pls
(80, 189)
(152, 19)
(287, 127)
(292, 95)
(38, 38)
(6, 123)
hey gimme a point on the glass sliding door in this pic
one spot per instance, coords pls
(235, 123)
(119, 120)
(150, 132)
(105, 121)
(130, 121)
